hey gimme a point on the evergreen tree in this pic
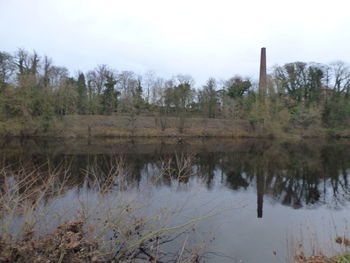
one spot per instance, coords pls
(110, 95)
(82, 94)
(207, 98)
(137, 97)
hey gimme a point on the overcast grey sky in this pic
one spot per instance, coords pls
(202, 38)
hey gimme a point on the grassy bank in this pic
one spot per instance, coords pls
(156, 126)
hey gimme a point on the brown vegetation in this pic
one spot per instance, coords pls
(68, 243)
(101, 226)
(149, 126)
(322, 259)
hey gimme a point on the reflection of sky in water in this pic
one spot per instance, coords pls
(238, 232)
(298, 192)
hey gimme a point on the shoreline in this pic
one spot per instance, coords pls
(101, 126)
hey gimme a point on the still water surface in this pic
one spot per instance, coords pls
(270, 194)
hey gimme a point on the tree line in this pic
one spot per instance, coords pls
(302, 94)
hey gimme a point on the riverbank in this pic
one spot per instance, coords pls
(158, 126)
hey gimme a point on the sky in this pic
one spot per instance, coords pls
(205, 39)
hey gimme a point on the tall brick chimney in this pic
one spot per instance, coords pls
(262, 78)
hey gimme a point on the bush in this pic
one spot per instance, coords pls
(336, 112)
(304, 117)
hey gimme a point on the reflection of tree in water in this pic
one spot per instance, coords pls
(207, 164)
(237, 180)
(296, 175)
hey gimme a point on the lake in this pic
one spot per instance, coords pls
(264, 196)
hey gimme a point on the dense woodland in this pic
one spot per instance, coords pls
(298, 94)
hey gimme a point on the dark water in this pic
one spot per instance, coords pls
(271, 193)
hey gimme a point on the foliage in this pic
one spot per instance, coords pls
(82, 94)
(336, 111)
(299, 94)
(237, 87)
(208, 99)
(110, 95)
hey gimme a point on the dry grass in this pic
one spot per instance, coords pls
(43, 218)
(141, 126)
(266, 126)
(301, 258)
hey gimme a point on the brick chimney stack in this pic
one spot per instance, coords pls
(262, 78)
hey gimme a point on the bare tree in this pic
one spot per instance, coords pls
(7, 67)
(22, 61)
(207, 97)
(57, 76)
(127, 83)
(157, 92)
(340, 75)
(34, 63)
(97, 78)
(47, 67)
(149, 81)
(184, 79)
